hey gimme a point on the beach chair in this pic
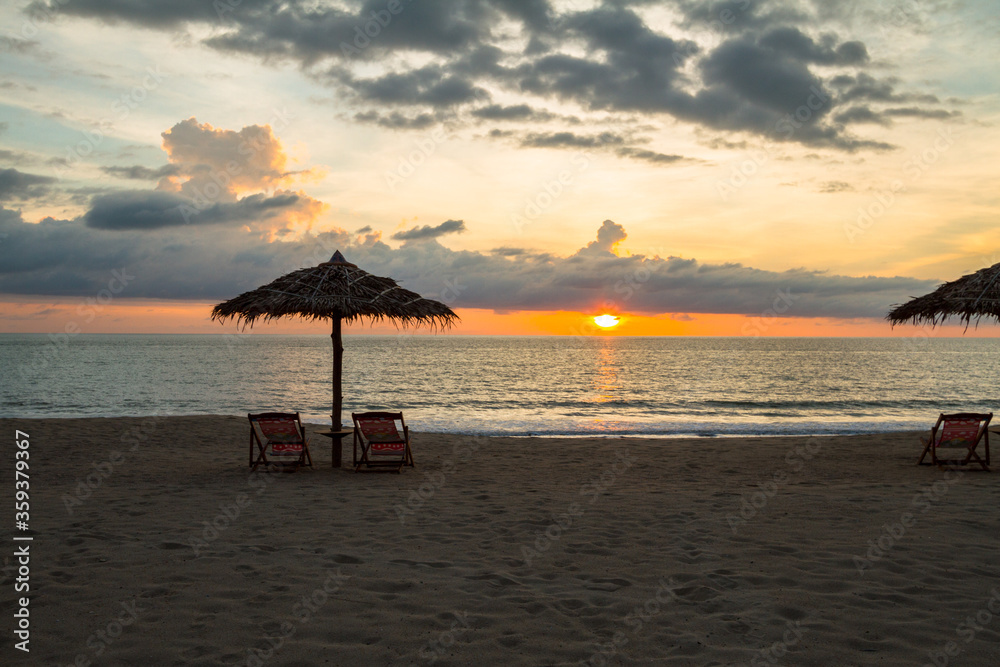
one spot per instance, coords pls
(963, 431)
(382, 446)
(280, 440)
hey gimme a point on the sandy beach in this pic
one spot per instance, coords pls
(154, 544)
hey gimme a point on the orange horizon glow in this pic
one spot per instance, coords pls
(26, 315)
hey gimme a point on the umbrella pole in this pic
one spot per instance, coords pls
(338, 363)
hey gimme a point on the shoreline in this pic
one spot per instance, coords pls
(321, 424)
(500, 550)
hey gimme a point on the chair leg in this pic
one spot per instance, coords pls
(927, 447)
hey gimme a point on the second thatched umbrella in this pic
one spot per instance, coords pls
(974, 296)
(342, 292)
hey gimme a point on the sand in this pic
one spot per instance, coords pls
(506, 551)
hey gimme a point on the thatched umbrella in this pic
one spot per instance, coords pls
(342, 292)
(976, 295)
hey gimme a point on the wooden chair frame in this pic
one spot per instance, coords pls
(983, 435)
(305, 458)
(365, 463)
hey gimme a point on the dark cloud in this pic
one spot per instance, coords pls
(18, 185)
(147, 210)
(604, 140)
(632, 67)
(429, 86)
(866, 87)
(396, 120)
(509, 252)
(571, 140)
(916, 112)
(140, 173)
(797, 44)
(735, 16)
(515, 112)
(427, 232)
(60, 257)
(444, 61)
(860, 114)
(865, 114)
(16, 157)
(767, 78)
(648, 156)
(67, 258)
(537, 15)
(148, 13)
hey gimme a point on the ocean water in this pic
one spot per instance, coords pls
(514, 385)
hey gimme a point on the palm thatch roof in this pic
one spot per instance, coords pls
(335, 289)
(974, 296)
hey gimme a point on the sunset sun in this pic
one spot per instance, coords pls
(606, 321)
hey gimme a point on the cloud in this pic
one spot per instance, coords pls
(140, 173)
(310, 33)
(866, 87)
(836, 186)
(67, 258)
(427, 232)
(767, 78)
(446, 61)
(148, 13)
(827, 52)
(224, 162)
(860, 114)
(648, 156)
(571, 140)
(509, 252)
(215, 176)
(429, 86)
(514, 112)
(19, 185)
(609, 235)
(396, 120)
(603, 140)
(18, 46)
(17, 157)
(916, 112)
(155, 210)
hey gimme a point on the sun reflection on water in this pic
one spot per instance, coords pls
(607, 385)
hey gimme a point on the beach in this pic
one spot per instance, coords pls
(155, 544)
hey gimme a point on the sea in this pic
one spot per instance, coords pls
(514, 386)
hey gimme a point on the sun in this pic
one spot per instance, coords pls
(606, 321)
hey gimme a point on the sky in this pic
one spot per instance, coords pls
(749, 167)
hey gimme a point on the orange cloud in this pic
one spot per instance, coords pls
(224, 166)
(250, 160)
